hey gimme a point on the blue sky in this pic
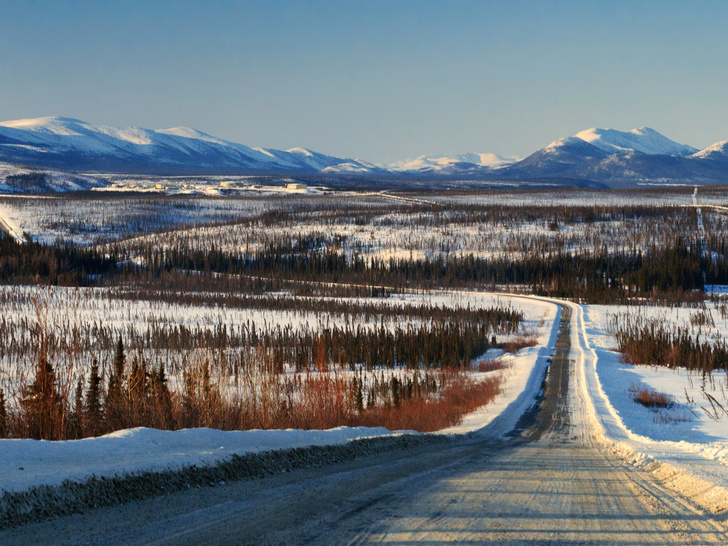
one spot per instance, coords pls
(378, 80)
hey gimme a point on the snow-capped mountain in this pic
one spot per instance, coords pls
(71, 144)
(644, 140)
(443, 164)
(558, 158)
(602, 156)
(52, 146)
(718, 151)
(619, 159)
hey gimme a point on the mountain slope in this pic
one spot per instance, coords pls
(623, 159)
(561, 157)
(71, 144)
(645, 140)
(716, 152)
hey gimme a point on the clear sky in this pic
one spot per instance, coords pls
(377, 80)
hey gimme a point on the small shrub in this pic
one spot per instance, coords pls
(650, 398)
(491, 365)
(520, 342)
(459, 397)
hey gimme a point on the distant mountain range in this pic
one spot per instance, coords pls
(594, 157)
(451, 165)
(71, 144)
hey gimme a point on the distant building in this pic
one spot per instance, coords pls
(295, 186)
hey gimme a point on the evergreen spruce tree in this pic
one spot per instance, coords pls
(41, 404)
(78, 409)
(3, 416)
(92, 417)
(161, 400)
(115, 414)
(138, 393)
(119, 358)
(190, 414)
(358, 395)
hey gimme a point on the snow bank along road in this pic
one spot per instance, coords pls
(549, 480)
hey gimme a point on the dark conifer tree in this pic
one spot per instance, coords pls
(138, 393)
(42, 405)
(190, 414)
(3, 416)
(78, 409)
(92, 408)
(115, 406)
(161, 400)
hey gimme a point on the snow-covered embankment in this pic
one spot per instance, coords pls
(681, 447)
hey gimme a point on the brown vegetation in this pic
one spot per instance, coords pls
(490, 365)
(517, 343)
(256, 399)
(461, 395)
(650, 398)
(656, 343)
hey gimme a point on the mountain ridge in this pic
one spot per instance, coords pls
(605, 156)
(61, 142)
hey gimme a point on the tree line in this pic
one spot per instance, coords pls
(596, 276)
(657, 344)
(135, 394)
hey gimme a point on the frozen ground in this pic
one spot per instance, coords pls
(86, 220)
(30, 462)
(399, 226)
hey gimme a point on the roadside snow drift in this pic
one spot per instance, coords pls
(687, 448)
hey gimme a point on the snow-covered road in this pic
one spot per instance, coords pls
(555, 478)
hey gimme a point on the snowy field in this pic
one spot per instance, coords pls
(91, 220)
(660, 197)
(86, 319)
(692, 433)
(376, 225)
(26, 462)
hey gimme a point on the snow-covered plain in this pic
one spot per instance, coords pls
(91, 311)
(28, 463)
(390, 231)
(91, 220)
